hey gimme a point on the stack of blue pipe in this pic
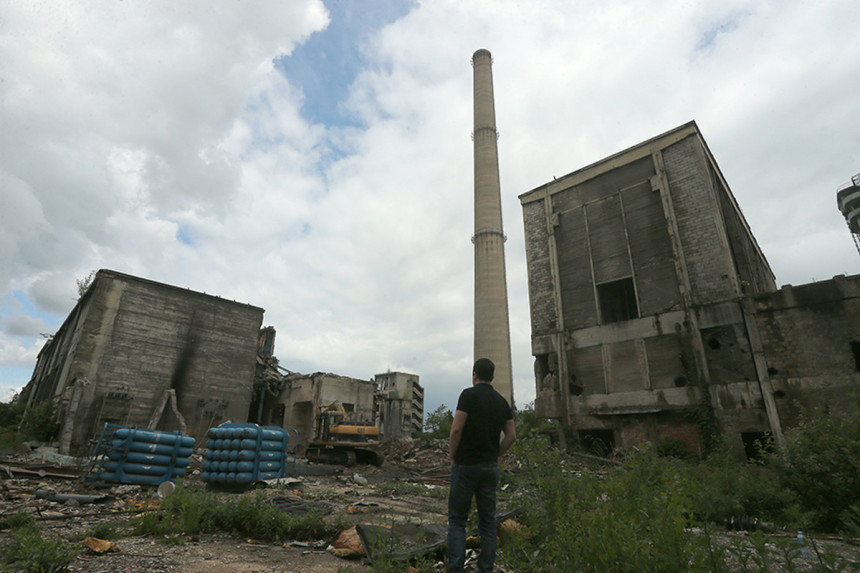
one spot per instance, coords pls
(144, 457)
(242, 454)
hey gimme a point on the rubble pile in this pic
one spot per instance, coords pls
(421, 456)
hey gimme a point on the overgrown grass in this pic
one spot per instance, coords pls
(821, 466)
(16, 426)
(400, 487)
(661, 514)
(29, 551)
(190, 510)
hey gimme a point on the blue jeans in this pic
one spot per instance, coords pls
(480, 481)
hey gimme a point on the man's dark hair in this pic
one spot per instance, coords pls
(485, 369)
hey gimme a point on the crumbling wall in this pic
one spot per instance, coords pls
(811, 337)
(307, 392)
(136, 339)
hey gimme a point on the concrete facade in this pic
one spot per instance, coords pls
(400, 404)
(138, 352)
(492, 326)
(653, 307)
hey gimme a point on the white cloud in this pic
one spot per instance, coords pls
(16, 354)
(26, 326)
(158, 139)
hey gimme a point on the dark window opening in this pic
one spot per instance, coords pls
(617, 301)
(772, 371)
(597, 442)
(855, 350)
(757, 445)
(779, 394)
(680, 381)
(278, 415)
(714, 343)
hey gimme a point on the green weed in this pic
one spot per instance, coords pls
(652, 514)
(103, 530)
(400, 487)
(190, 510)
(821, 465)
(40, 422)
(18, 521)
(28, 551)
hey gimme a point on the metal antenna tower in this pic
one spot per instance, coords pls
(848, 200)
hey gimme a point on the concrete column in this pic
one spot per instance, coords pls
(492, 330)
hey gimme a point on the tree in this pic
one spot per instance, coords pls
(438, 422)
(527, 420)
(84, 284)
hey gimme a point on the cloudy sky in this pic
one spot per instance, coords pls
(314, 157)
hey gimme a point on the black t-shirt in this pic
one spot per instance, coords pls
(487, 413)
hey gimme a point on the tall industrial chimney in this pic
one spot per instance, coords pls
(492, 331)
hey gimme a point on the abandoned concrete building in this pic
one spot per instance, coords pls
(393, 402)
(400, 404)
(140, 353)
(137, 352)
(653, 307)
(293, 401)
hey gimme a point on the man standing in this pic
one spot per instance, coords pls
(482, 416)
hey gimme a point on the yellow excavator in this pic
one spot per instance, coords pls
(340, 441)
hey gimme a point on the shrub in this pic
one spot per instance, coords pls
(645, 516)
(527, 420)
(438, 423)
(18, 521)
(673, 448)
(630, 519)
(104, 530)
(729, 488)
(10, 417)
(30, 552)
(821, 465)
(10, 412)
(40, 422)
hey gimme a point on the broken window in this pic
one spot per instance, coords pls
(855, 351)
(757, 444)
(598, 442)
(617, 301)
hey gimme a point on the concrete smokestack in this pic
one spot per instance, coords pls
(492, 330)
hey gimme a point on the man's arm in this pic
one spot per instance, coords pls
(456, 433)
(510, 431)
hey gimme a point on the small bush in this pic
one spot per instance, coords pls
(438, 423)
(104, 530)
(30, 552)
(11, 412)
(821, 466)
(673, 448)
(528, 421)
(652, 514)
(18, 521)
(40, 422)
(729, 488)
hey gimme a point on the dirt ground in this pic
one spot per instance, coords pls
(351, 493)
(356, 495)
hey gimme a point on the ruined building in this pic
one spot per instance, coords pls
(293, 401)
(400, 404)
(655, 314)
(138, 352)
